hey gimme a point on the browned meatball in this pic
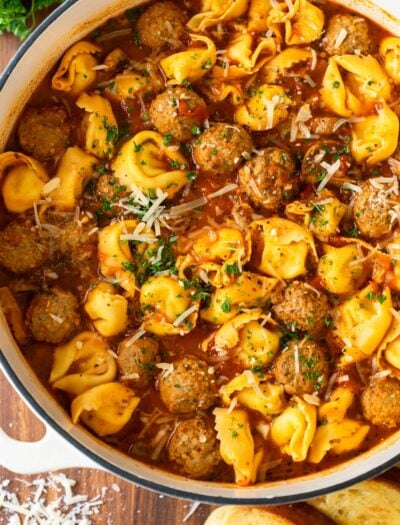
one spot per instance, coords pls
(380, 402)
(323, 125)
(178, 111)
(268, 179)
(194, 447)
(372, 209)
(302, 368)
(53, 315)
(78, 242)
(303, 308)
(357, 36)
(162, 24)
(188, 387)
(108, 192)
(44, 132)
(138, 359)
(219, 150)
(22, 248)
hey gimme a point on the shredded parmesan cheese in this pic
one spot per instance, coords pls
(340, 37)
(52, 185)
(179, 320)
(331, 169)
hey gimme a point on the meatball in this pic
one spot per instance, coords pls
(372, 209)
(301, 307)
(44, 132)
(163, 23)
(108, 192)
(302, 368)
(77, 242)
(53, 315)
(178, 111)
(268, 179)
(358, 36)
(194, 447)
(218, 151)
(138, 358)
(188, 387)
(380, 402)
(22, 248)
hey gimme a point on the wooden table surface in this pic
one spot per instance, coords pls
(132, 505)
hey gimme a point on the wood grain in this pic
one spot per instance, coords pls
(130, 506)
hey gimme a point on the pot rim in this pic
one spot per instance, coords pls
(101, 461)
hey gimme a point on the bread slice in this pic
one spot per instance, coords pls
(374, 502)
(297, 514)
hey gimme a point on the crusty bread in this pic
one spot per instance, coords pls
(375, 502)
(298, 514)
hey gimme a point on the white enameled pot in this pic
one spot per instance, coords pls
(68, 445)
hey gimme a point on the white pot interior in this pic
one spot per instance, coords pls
(40, 52)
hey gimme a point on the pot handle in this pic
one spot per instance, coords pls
(50, 453)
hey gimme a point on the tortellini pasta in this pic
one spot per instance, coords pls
(168, 307)
(107, 309)
(145, 162)
(294, 429)
(338, 437)
(341, 269)
(132, 83)
(114, 253)
(390, 52)
(105, 409)
(284, 61)
(23, 181)
(190, 65)
(375, 138)
(243, 58)
(82, 363)
(75, 73)
(362, 321)
(266, 398)
(100, 125)
(114, 58)
(213, 12)
(264, 110)
(257, 15)
(355, 93)
(322, 215)
(337, 432)
(388, 355)
(249, 290)
(237, 444)
(251, 343)
(75, 169)
(304, 22)
(282, 247)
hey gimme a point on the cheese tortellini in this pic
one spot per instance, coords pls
(362, 321)
(341, 270)
(390, 52)
(130, 84)
(105, 409)
(76, 168)
(75, 73)
(190, 65)
(145, 162)
(282, 247)
(388, 355)
(243, 58)
(82, 363)
(213, 12)
(375, 138)
(250, 342)
(249, 290)
(337, 433)
(303, 21)
(23, 181)
(237, 444)
(364, 84)
(107, 309)
(293, 430)
(283, 61)
(264, 110)
(168, 306)
(100, 125)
